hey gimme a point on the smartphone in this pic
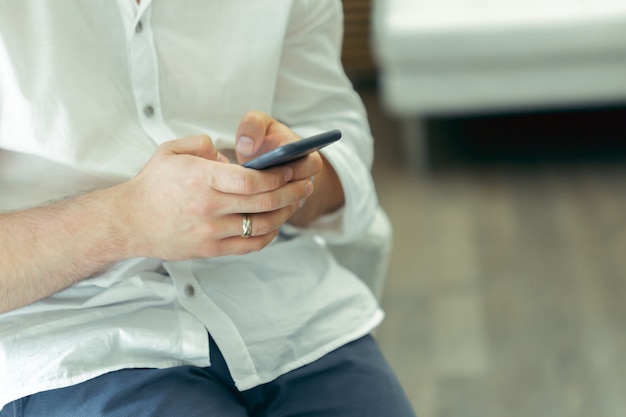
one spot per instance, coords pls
(294, 150)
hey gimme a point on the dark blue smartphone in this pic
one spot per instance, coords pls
(294, 150)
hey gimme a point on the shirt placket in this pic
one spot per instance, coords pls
(144, 71)
(217, 321)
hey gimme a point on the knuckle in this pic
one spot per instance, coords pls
(267, 202)
(164, 147)
(204, 138)
(262, 227)
(278, 180)
(245, 183)
(209, 230)
(274, 179)
(203, 207)
(192, 180)
(254, 116)
(204, 143)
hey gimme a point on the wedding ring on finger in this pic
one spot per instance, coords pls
(246, 226)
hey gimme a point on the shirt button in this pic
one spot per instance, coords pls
(190, 291)
(139, 27)
(148, 111)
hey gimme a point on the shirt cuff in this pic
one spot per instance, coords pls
(358, 212)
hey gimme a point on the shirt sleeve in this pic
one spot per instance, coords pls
(313, 94)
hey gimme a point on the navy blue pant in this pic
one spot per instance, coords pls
(353, 381)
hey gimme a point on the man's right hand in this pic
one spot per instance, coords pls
(188, 202)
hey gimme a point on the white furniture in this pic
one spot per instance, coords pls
(445, 57)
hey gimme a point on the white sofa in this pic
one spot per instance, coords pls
(446, 57)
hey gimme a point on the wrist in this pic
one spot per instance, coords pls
(109, 225)
(327, 197)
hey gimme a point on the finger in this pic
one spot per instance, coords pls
(232, 225)
(266, 223)
(197, 145)
(264, 228)
(291, 193)
(237, 245)
(234, 179)
(307, 167)
(258, 133)
(251, 132)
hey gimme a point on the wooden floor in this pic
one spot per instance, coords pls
(506, 293)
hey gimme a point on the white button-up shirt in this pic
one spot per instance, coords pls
(88, 90)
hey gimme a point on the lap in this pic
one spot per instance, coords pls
(354, 380)
(179, 391)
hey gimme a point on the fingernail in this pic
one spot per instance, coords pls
(308, 188)
(245, 146)
(288, 174)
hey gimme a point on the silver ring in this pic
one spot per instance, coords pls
(246, 226)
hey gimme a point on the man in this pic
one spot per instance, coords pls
(149, 275)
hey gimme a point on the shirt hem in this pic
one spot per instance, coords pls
(256, 380)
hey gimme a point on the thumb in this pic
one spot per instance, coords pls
(246, 146)
(251, 133)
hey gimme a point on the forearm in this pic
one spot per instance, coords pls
(185, 203)
(46, 249)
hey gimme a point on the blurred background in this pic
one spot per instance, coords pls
(507, 283)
